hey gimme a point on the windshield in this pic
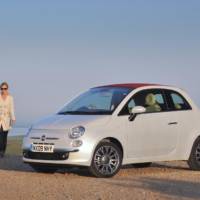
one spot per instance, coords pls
(96, 101)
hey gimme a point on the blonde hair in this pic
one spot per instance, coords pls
(4, 84)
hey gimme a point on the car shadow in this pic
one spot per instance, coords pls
(172, 166)
(131, 170)
(167, 187)
(169, 166)
(15, 163)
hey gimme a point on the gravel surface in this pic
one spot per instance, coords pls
(161, 181)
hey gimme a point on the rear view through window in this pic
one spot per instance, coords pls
(177, 101)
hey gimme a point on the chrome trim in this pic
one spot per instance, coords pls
(35, 138)
(53, 138)
(48, 138)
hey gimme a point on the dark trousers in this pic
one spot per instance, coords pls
(3, 140)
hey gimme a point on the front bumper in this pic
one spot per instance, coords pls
(64, 153)
(56, 155)
(67, 157)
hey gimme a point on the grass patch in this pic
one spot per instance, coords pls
(14, 146)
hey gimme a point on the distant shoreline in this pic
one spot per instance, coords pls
(18, 131)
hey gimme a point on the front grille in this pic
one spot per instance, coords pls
(46, 156)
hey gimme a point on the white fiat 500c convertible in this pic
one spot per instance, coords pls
(114, 125)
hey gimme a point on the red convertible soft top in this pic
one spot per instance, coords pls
(130, 85)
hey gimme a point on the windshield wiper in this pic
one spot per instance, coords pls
(70, 112)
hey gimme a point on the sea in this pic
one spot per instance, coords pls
(18, 131)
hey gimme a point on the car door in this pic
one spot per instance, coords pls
(180, 109)
(154, 133)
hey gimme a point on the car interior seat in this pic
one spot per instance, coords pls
(178, 106)
(151, 104)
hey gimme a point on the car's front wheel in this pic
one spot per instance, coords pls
(107, 160)
(194, 160)
(43, 168)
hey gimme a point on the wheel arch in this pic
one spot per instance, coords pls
(115, 141)
(107, 139)
(192, 145)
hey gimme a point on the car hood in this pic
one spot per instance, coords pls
(68, 121)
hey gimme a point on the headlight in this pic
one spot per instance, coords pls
(29, 130)
(76, 132)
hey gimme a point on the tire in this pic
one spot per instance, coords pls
(106, 161)
(194, 160)
(142, 165)
(43, 168)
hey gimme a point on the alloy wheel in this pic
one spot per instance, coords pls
(106, 160)
(198, 154)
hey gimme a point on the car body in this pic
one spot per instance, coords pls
(145, 123)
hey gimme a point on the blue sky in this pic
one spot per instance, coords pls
(52, 50)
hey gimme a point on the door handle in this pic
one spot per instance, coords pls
(172, 123)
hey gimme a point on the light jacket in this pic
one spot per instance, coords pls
(7, 113)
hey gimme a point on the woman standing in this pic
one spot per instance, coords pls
(7, 116)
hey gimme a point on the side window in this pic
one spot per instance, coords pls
(131, 105)
(177, 101)
(152, 100)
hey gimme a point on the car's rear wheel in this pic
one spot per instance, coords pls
(43, 168)
(107, 160)
(142, 165)
(194, 160)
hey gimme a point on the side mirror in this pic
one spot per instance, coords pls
(135, 111)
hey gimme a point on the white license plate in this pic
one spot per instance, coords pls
(45, 148)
